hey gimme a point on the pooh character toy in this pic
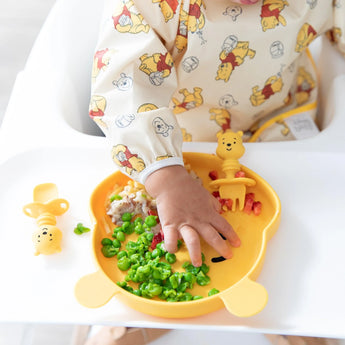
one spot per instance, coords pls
(47, 238)
(230, 148)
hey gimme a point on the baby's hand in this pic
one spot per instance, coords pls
(188, 210)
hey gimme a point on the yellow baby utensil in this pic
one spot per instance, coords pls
(47, 238)
(229, 149)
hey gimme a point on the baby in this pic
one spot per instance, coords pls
(168, 71)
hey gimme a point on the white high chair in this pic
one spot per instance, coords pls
(48, 110)
(51, 95)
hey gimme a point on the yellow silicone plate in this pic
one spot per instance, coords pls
(234, 278)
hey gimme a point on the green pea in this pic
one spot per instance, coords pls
(125, 225)
(186, 297)
(171, 258)
(135, 265)
(81, 229)
(121, 236)
(121, 284)
(127, 216)
(149, 236)
(77, 231)
(183, 287)
(129, 289)
(169, 293)
(202, 279)
(196, 297)
(138, 220)
(144, 270)
(109, 251)
(135, 258)
(106, 242)
(122, 254)
(118, 228)
(186, 264)
(213, 292)
(148, 255)
(130, 229)
(204, 268)
(161, 247)
(137, 292)
(116, 243)
(157, 253)
(154, 289)
(188, 276)
(173, 281)
(138, 229)
(151, 221)
(124, 264)
(115, 197)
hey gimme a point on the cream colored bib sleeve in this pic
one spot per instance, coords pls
(133, 78)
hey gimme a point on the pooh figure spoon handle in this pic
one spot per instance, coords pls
(46, 206)
(230, 148)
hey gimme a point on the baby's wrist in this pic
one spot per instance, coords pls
(164, 178)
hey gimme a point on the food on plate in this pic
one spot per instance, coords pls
(149, 266)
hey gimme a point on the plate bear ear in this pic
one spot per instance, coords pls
(240, 133)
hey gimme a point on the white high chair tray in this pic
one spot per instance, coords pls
(303, 270)
(40, 142)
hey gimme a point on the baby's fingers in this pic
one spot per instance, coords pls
(192, 241)
(222, 226)
(171, 235)
(212, 237)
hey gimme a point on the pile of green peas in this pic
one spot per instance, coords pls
(151, 269)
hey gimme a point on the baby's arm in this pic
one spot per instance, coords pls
(131, 104)
(188, 210)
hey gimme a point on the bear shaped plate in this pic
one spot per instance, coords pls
(234, 278)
